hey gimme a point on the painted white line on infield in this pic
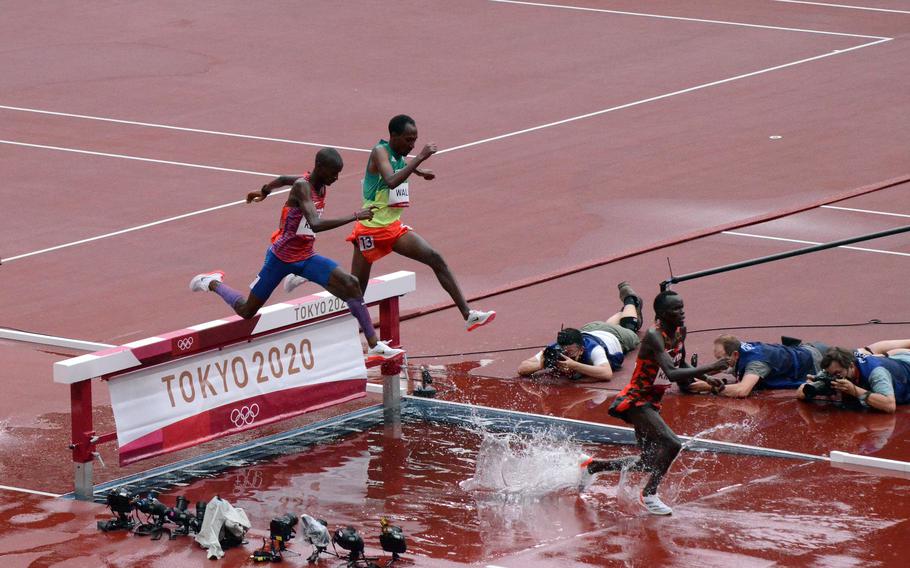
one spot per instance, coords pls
(136, 228)
(180, 128)
(684, 19)
(868, 8)
(29, 491)
(802, 242)
(870, 211)
(53, 340)
(659, 97)
(137, 158)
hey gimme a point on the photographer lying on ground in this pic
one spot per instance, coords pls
(593, 352)
(759, 365)
(861, 380)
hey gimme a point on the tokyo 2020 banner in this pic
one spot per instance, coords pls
(196, 399)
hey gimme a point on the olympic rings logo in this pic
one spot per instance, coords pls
(245, 416)
(185, 343)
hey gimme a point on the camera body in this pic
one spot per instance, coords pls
(120, 501)
(150, 505)
(282, 528)
(823, 385)
(552, 355)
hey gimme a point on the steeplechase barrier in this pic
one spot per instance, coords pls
(196, 384)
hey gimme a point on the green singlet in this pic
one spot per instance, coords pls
(376, 192)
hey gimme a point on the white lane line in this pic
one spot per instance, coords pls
(137, 158)
(802, 242)
(475, 143)
(53, 340)
(29, 491)
(865, 211)
(845, 6)
(659, 97)
(680, 18)
(180, 128)
(136, 228)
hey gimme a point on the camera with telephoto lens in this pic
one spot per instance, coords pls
(150, 505)
(823, 385)
(185, 520)
(552, 355)
(282, 528)
(120, 501)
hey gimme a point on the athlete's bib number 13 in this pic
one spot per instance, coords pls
(365, 242)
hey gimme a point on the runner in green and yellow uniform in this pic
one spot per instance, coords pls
(386, 192)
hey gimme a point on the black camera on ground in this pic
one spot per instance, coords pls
(349, 539)
(185, 520)
(120, 501)
(552, 355)
(823, 385)
(150, 505)
(282, 529)
(392, 539)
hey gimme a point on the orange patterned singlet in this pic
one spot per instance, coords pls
(648, 382)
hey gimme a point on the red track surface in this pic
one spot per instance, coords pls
(524, 207)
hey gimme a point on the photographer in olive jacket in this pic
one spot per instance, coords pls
(864, 380)
(593, 352)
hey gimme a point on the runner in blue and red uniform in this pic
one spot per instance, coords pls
(292, 250)
(661, 360)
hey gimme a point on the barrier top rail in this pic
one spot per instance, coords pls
(217, 333)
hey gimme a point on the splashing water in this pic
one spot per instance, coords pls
(734, 431)
(533, 465)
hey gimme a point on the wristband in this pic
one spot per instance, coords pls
(864, 399)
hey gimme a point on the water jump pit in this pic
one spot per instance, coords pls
(475, 485)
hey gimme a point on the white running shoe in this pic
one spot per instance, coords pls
(200, 282)
(654, 505)
(381, 352)
(292, 281)
(477, 318)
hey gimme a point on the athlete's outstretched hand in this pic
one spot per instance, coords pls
(365, 214)
(256, 196)
(425, 174)
(720, 365)
(427, 151)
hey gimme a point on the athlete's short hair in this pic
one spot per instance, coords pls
(838, 355)
(328, 156)
(398, 124)
(662, 301)
(569, 336)
(730, 343)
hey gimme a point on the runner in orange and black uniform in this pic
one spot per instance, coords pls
(661, 360)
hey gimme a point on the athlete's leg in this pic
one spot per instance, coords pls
(615, 464)
(244, 308)
(413, 246)
(326, 272)
(360, 269)
(273, 270)
(659, 444)
(345, 286)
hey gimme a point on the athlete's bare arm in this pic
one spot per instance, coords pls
(265, 190)
(300, 197)
(653, 344)
(379, 164)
